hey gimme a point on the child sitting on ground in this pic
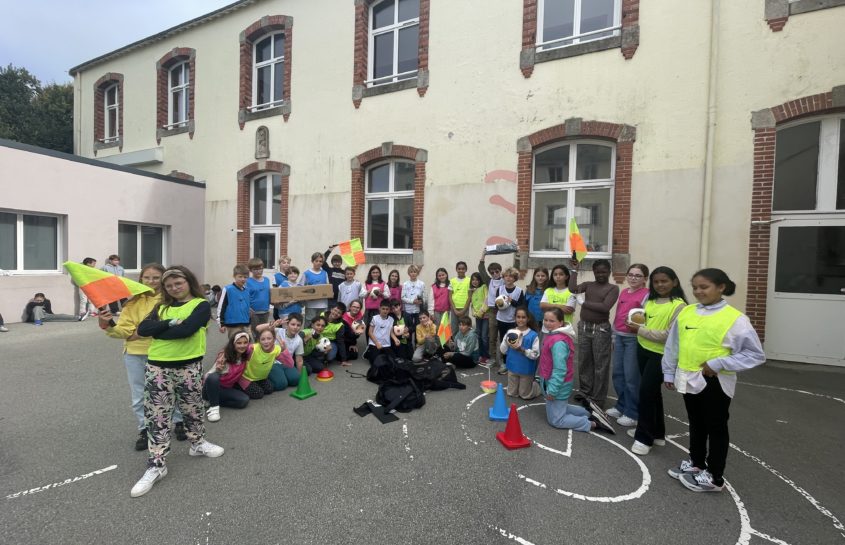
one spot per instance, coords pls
(403, 349)
(314, 359)
(335, 331)
(427, 342)
(288, 365)
(380, 333)
(354, 320)
(464, 346)
(220, 387)
(255, 381)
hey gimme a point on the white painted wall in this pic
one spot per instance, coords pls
(92, 200)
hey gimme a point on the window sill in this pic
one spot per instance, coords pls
(402, 85)
(805, 6)
(245, 114)
(384, 258)
(100, 145)
(188, 127)
(611, 42)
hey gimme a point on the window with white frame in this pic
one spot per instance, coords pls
(179, 88)
(266, 218)
(389, 201)
(572, 179)
(111, 117)
(30, 242)
(810, 166)
(139, 244)
(567, 22)
(268, 75)
(393, 41)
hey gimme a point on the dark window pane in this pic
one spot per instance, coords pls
(383, 14)
(8, 241)
(263, 86)
(263, 49)
(264, 247)
(549, 221)
(259, 201)
(408, 9)
(152, 241)
(40, 243)
(811, 260)
(383, 55)
(177, 114)
(595, 15)
(278, 45)
(403, 224)
(379, 179)
(403, 179)
(592, 212)
(592, 162)
(277, 202)
(558, 19)
(796, 167)
(552, 166)
(377, 218)
(127, 245)
(840, 179)
(112, 129)
(278, 81)
(408, 48)
(111, 95)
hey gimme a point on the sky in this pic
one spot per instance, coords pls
(49, 36)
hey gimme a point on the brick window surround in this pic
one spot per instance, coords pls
(245, 177)
(100, 87)
(169, 60)
(764, 123)
(361, 56)
(389, 150)
(575, 129)
(777, 12)
(627, 41)
(251, 34)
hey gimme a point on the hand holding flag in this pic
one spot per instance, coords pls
(352, 252)
(576, 243)
(103, 287)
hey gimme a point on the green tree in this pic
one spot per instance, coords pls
(32, 114)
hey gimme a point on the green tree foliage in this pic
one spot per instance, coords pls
(32, 114)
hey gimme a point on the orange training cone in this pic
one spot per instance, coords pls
(512, 437)
(325, 375)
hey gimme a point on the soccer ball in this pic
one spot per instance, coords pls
(398, 330)
(358, 326)
(375, 291)
(324, 345)
(636, 316)
(503, 302)
(513, 338)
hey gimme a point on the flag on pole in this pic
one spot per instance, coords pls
(576, 243)
(444, 330)
(103, 287)
(352, 252)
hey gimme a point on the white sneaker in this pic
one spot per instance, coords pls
(613, 413)
(146, 482)
(3, 328)
(626, 421)
(204, 448)
(657, 442)
(640, 448)
(213, 413)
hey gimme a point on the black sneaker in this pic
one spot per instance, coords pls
(179, 429)
(602, 422)
(141, 441)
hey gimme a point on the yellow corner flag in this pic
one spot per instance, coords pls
(352, 252)
(103, 287)
(444, 330)
(576, 243)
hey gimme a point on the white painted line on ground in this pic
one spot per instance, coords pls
(464, 375)
(510, 536)
(406, 440)
(58, 484)
(567, 452)
(805, 392)
(464, 418)
(207, 516)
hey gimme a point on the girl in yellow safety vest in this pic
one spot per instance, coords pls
(707, 345)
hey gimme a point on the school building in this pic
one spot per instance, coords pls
(686, 134)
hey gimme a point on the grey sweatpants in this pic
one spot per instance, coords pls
(594, 341)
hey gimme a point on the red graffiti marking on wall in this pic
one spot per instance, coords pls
(501, 201)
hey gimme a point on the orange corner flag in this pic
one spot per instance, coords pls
(444, 330)
(352, 252)
(576, 243)
(103, 287)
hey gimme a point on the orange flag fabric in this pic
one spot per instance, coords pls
(103, 287)
(576, 243)
(444, 330)
(352, 252)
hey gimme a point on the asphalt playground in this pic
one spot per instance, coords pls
(313, 471)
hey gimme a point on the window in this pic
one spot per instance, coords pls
(268, 72)
(179, 91)
(266, 218)
(29, 242)
(393, 41)
(810, 166)
(572, 179)
(139, 244)
(110, 115)
(567, 22)
(389, 211)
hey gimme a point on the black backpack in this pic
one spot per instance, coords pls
(385, 367)
(401, 395)
(435, 374)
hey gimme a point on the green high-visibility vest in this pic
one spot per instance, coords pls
(554, 297)
(700, 337)
(460, 291)
(658, 316)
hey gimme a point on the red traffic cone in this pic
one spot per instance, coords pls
(512, 437)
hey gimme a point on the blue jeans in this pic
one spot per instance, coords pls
(135, 364)
(626, 375)
(561, 414)
(282, 376)
(483, 332)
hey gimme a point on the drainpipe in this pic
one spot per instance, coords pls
(707, 190)
(77, 114)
